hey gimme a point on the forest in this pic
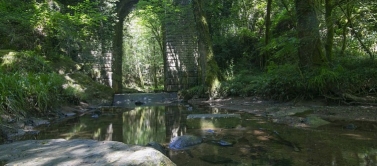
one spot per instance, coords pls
(281, 50)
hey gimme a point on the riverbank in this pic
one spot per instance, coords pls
(296, 114)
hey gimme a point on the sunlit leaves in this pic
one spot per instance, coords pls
(87, 13)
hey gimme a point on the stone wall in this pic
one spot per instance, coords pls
(97, 65)
(182, 56)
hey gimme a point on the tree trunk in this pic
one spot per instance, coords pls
(118, 57)
(330, 29)
(210, 70)
(310, 48)
(267, 35)
(344, 39)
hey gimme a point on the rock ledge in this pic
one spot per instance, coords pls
(79, 152)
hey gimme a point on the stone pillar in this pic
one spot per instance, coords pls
(106, 70)
(182, 56)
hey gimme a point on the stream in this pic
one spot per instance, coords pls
(253, 140)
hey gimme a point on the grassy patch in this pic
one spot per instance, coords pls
(85, 89)
(30, 84)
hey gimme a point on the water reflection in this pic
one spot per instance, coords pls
(254, 141)
(143, 125)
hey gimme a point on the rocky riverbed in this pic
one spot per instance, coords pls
(311, 114)
(297, 114)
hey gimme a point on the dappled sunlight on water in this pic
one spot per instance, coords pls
(254, 141)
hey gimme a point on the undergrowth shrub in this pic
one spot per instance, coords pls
(36, 93)
(198, 91)
(284, 82)
(27, 61)
(243, 84)
(29, 85)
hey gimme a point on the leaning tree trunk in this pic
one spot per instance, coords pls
(310, 48)
(358, 36)
(210, 70)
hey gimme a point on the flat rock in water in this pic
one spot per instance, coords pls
(288, 112)
(212, 116)
(315, 121)
(79, 152)
(38, 122)
(184, 142)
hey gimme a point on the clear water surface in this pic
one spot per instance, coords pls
(255, 140)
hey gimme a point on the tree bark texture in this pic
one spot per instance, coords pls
(330, 29)
(210, 70)
(310, 48)
(267, 35)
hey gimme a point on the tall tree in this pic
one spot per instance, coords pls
(210, 70)
(310, 48)
(267, 35)
(329, 6)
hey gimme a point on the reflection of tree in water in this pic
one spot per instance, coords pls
(143, 125)
(175, 119)
(109, 133)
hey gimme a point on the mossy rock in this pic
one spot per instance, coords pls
(315, 121)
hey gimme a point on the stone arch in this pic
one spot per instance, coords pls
(181, 55)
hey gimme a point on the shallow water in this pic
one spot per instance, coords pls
(255, 140)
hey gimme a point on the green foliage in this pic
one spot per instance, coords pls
(287, 82)
(324, 79)
(24, 61)
(282, 48)
(144, 44)
(80, 87)
(17, 24)
(243, 84)
(50, 27)
(32, 93)
(241, 49)
(197, 91)
(28, 85)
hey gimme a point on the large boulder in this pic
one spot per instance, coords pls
(79, 152)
